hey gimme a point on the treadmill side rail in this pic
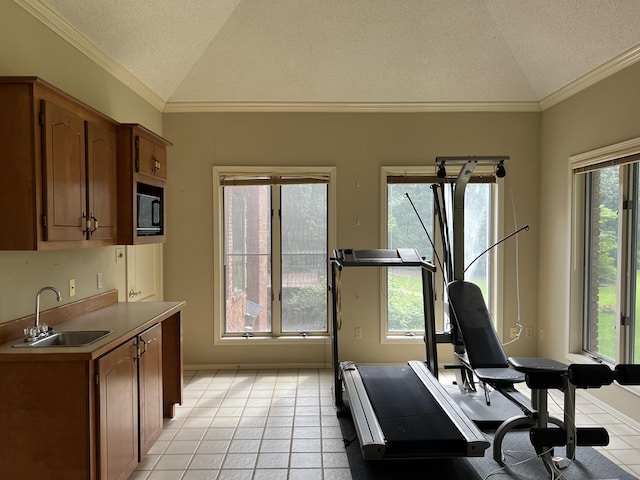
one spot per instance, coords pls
(475, 440)
(372, 441)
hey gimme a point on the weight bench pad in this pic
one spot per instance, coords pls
(496, 376)
(537, 364)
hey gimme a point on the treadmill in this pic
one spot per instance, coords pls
(400, 411)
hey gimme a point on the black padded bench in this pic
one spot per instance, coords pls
(485, 358)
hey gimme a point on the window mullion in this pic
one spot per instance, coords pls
(588, 265)
(276, 260)
(630, 217)
(624, 277)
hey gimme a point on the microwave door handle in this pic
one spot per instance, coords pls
(156, 206)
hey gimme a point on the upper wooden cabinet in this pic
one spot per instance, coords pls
(142, 152)
(152, 154)
(102, 179)
(71, 176)
(58, 186)
(64, 214)
(142, 174)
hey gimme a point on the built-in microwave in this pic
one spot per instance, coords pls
(150, 217)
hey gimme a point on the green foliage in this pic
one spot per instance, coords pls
(608, 246)
(304, 218)
(404, 229)
(304, 308)
(607, 320)
(405, 306)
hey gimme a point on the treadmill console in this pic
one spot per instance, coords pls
(379, 258)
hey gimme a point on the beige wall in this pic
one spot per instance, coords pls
(357, 145)
(605, 114)
(29, 48)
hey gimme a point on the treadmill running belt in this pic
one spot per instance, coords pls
(409, 416)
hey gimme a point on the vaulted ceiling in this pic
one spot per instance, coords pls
(397, 54)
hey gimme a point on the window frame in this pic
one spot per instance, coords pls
(494, 302)
(326, 175)
(621, 154)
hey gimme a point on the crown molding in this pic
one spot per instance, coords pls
(49, 17)
(607, 69)
(350, 107)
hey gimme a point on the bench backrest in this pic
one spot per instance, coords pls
(484, 349)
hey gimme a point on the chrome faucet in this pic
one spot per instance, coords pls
(58, 298)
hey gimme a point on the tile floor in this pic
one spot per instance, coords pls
(251, 425)
(281, 425)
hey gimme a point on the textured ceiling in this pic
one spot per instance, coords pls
(356, 51)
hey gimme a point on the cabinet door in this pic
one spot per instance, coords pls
(118, 412)
(64, 174)
(144, 273)
(150, 371)
(152, 158)
(102, 181)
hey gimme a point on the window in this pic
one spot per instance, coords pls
(606, 240)
(405, 230)
(274, 232)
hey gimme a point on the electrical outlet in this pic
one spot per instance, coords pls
(541, 334)
(357, 333)
(528, 332)
(72, 287)
(100, 284)
(513, 332)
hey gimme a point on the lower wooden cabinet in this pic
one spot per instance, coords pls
(130, 403)
(85, 416)
(150, 388)
(118, 412)
(44, 428)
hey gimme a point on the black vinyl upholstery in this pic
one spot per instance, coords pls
(480, 339)
(484, 351)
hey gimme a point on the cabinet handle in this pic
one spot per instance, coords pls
(146, 344)
(86, 221)
(133, 294)
(144, 350)
(95, 224)
(156, 165)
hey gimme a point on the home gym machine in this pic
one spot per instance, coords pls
(480, 354)
(489, 353)
(400, 411)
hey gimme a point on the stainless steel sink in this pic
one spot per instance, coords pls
(68, 339)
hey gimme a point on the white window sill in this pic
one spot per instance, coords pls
(584, 359)
(403, 339)
(267, 340)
